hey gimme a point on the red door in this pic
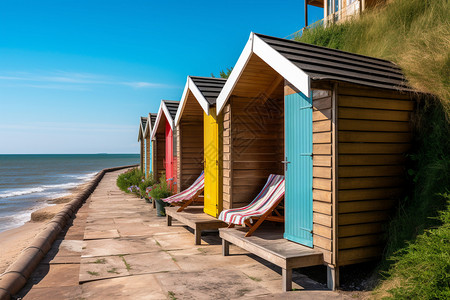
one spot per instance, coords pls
(169, 155)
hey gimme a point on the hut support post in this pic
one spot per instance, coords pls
(287, 279)
(225, 247)
(332, 277)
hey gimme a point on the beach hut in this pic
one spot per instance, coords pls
(199, 146)
(336, 124)
(165, 135)
(141, 140)
(149, 144)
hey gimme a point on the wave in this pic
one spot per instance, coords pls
(32, 190)
(61, 186)
(87, 176)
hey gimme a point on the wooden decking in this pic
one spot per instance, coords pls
(269, 244)
(195, 218)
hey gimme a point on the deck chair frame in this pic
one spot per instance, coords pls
(267, 216)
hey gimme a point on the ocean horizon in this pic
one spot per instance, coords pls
(28, 181)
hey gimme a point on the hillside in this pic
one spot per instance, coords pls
(415, 34)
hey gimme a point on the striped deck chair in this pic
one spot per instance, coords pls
(260, 209)
(189, 195)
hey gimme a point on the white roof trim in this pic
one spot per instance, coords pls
(168, 116)
(235, 74)
(282, 65)
(182, 102)
(274, 59)
(199, 96)
(190, 85)
(158, 118)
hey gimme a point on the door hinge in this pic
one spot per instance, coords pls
(285, 162)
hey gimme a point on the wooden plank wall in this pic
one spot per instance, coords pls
(147, 155)
(142, 154)
(373, 133)
(226, 162)
(190, 152)
(322, 173)
(253, 144)
(160, 154)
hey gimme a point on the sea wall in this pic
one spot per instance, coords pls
(17, 274)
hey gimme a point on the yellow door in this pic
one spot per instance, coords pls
(213, 163)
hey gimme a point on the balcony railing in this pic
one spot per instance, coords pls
(343, 14)
(299, 33)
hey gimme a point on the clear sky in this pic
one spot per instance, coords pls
(76, 75)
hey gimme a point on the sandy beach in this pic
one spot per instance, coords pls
(13, 241)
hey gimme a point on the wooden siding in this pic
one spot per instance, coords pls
(141, 163)
(160, 155)
(323, 173)
(190, 152)
(147, 155)
(226, 162)
(253, 146)
(374, 133)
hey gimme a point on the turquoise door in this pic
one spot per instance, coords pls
(298, 151)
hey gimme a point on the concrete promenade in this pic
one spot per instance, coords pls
(116, 248)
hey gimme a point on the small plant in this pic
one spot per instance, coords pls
(113, 270)
(171, 295)
(100, 261)
(92, 273)
(127, 265)
(160, 190)
(145, 183)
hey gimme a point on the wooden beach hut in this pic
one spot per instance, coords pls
(336, 124)
(164, 134)
(149, 144)
(199, 149)
(141, 140)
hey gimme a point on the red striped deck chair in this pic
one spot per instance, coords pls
(262, 208)
(189, 195)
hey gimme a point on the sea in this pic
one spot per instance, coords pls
(27, 182)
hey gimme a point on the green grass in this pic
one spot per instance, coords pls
(415, 34)
(422, 268)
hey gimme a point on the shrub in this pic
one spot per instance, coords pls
(145, 183)
(129, 178)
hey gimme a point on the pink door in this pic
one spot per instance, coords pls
(169, 155)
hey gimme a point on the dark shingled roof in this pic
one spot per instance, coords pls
(143, 122)
(330, 64)
(153, 119)
(209, 87)
(172, 107)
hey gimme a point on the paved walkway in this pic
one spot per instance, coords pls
(116, 248)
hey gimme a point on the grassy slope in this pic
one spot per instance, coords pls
(415, 34)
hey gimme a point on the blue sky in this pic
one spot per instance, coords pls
(76, 75)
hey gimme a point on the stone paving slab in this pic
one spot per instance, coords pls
(213, 283)
(138, 287)
(51, 275)
(63, 292)
(119, 246)
(101, 234)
